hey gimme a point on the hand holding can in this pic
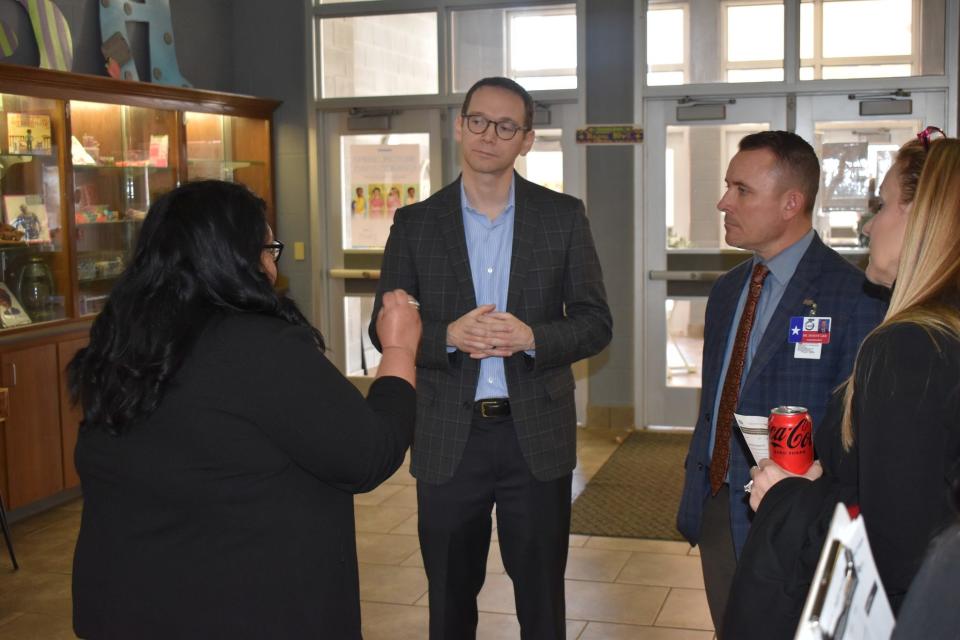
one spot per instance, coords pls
(791, 438)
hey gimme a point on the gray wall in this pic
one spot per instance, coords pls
(610, 189)
(203, 32)
(271, 61)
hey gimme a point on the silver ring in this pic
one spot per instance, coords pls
(413, 301)
(747, 488)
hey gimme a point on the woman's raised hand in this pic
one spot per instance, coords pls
(398, 324)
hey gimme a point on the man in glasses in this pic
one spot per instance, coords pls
(782, 328)
(511, 294)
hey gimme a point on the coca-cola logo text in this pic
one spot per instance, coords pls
(796, 437)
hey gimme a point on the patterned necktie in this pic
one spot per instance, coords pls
(731, 384)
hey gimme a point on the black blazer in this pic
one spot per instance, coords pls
(228, 512)
(906, 413)
(556, 287)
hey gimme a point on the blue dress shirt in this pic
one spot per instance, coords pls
(490, 249)
(782, 267)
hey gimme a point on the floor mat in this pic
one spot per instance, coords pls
(637, 492)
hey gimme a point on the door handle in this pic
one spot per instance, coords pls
(686, 276)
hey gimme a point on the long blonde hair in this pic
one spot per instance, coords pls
(929, 269)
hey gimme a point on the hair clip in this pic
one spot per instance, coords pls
(926, 135)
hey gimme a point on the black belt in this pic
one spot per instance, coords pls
(492, 407)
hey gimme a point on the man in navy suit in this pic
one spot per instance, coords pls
(771, 187)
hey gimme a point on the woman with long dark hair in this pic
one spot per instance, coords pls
(219, 449)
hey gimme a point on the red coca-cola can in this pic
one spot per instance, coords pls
(791, 438)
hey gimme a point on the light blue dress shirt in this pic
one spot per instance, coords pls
(782, 267)
(490, 249)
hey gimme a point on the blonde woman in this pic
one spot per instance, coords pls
(892, 431)
(902, 404)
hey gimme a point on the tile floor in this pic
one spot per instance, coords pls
(617, 588)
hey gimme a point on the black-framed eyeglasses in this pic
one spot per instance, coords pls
(928, 134)
(275, 248)
(505, 129)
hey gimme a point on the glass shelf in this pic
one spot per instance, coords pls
(46, 247)
(102, 222)
(28, 157)
(125, 167)
(228, 164)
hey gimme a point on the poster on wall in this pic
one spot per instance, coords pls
(382, 178)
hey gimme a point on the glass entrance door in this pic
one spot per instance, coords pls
(685, 159)
(376, 162)
(855, 152)
(684, 252)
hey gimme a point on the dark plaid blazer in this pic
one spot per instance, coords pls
(556, 287)
(824, 283)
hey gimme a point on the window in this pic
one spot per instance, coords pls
(714, 41)
(743, 40)
(666, 44)
(536, 47)
(543, 164)
(696, 161)
(753, 42)
(855, 156)
(382, 55)
(871, 38)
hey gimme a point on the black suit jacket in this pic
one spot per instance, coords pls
(228, 512)
(906, 412)
(556, 287)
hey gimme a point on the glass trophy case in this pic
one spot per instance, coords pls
(34, 261)
(82, 159)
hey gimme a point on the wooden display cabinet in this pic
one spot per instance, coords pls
(82, 158)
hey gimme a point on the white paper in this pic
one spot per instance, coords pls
(808, 351)
(868, 613)
(756, 433)
(80, 155)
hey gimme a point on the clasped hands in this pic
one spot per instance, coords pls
(768, 473)
(485, 332)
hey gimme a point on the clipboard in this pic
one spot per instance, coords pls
(846, 601)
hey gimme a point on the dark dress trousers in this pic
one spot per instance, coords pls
(228, 512)
(465, 463)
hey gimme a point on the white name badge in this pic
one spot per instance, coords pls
(807, 351)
